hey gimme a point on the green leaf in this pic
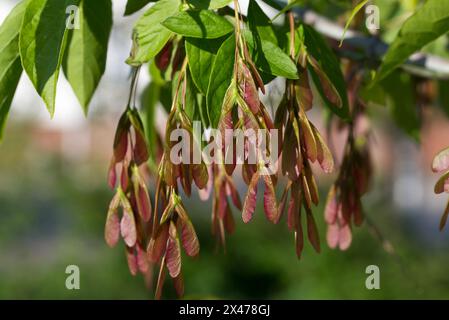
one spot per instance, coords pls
(10, 67)
(260, 24)
(42, 42)
(149, 35)
(401, 102)
(428, 23)
(198, 24)
(354, 12)
(85, 57)
(191, 102)
(317, 47)
(201, 55)
(209, 4)
(133, 6)
(270, 58)
(220, 80)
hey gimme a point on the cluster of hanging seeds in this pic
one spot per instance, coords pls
(302, 145)
(344, 206)
(130, 152)
(155, 237)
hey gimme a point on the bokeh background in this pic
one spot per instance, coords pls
(54, 199)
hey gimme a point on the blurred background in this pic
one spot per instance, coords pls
(54, 199)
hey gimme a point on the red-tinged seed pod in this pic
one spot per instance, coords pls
(170, 174)
(294, 207)
(142, 262)
(229, 222)
(222, 202)
(345, 237)
(124, 177)
(266, 117)
(128, 224)
(132, 260)
(303, 92)
(173, 253)
(442, 184)
(290, 152)
(189, 238)
(120, 145)
(309, 137)
(249, 89)
(158, 243)
(249, 206)
(327, 86)
(112, 174)
(269, 200)
(112, 227)
(299, 238)
(283, 202)
(254, 72)
(234, 194)
(143, 202)
(345, 208)
(163, 58)
(441, 161)
(200, 175)
(204, 193)
(311, 182)
(160, 281)
(186, 179)
(357, 212)
(178, 283)
(333, 235)
(324, 155)
(140, 148)
(312, 231)
(331, 209)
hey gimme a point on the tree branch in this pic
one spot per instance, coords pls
(372, 48)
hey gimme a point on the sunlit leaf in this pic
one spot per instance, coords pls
(198, 24)
(43, 38)
(428, 23)
(354, 12)
(149, 35)
(85, 56)
(10, 66)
